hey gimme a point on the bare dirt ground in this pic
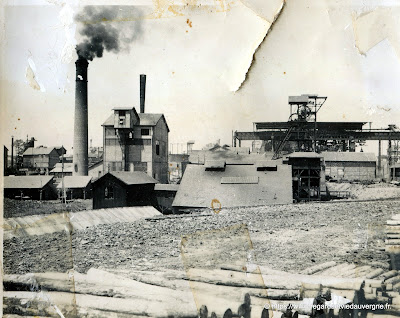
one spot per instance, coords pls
(286, 237)
(18, 208)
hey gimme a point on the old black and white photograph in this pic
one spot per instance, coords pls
(200, 158)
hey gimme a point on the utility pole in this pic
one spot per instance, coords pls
(12, 152)
(62, 177)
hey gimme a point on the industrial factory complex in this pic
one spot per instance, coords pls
(298, 160)
(302, 159)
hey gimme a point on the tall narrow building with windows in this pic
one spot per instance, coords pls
(136, 142)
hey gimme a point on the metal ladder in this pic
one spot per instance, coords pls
(282, 143)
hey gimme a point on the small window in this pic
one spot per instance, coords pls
(157, 148)
(145, 132)
(109, 192)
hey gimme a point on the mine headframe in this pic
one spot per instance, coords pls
(303, 110)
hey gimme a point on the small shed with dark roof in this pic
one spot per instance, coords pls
(29, 187)
(124, 188)
(76, 187)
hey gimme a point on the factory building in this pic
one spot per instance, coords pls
(136, 142)
(41, 159)
(350, 166)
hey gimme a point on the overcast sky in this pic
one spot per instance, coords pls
(195, 57)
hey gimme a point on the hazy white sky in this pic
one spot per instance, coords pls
(194, 60)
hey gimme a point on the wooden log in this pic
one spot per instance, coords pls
(375, 273)
(318, 268)
(333, 270)
(393, 222)
(277, 294)
(393, 280)
(101, 283)
(388, 275)
(392, 242)
(362, 271)
(90, 306)
(345, 271)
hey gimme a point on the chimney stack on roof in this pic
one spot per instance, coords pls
(142, 92)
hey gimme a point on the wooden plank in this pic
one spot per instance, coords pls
(318, 268)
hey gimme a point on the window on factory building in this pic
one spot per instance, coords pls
(157, 148)
(121, 117)
(145, 132)
(109, 192)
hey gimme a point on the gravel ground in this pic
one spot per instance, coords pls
(18, 208)
(286, 237)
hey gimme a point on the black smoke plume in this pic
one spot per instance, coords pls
(107, 28)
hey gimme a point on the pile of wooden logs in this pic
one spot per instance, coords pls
(392, 243)
(158, 294)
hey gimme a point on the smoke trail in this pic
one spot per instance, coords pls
(110, 28)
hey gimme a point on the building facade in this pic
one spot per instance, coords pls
(136, 142)
(41, 159)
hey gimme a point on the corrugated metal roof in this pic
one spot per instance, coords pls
(38, 151)
(199, 187)
(266, 164)
(74, 182)
(166, 187)
(26, 182)
(304, 155)
(130, 178)
(349, 156)
(44, 224)
(239, 180)
(68, 167)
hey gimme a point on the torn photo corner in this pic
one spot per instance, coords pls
(209, 158)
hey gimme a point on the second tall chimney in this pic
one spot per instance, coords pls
(142, 91)
(80, 151)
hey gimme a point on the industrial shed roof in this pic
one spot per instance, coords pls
(38, 151)
(349, 156)
(304, 155)
(166, 187)
(26, 182)
(75, 182)
(131, 178)
(238, 185)
(146, 119)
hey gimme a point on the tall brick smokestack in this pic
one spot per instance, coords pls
(80, 158)
(142, 91)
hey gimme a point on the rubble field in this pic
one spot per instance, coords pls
(285, 237)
